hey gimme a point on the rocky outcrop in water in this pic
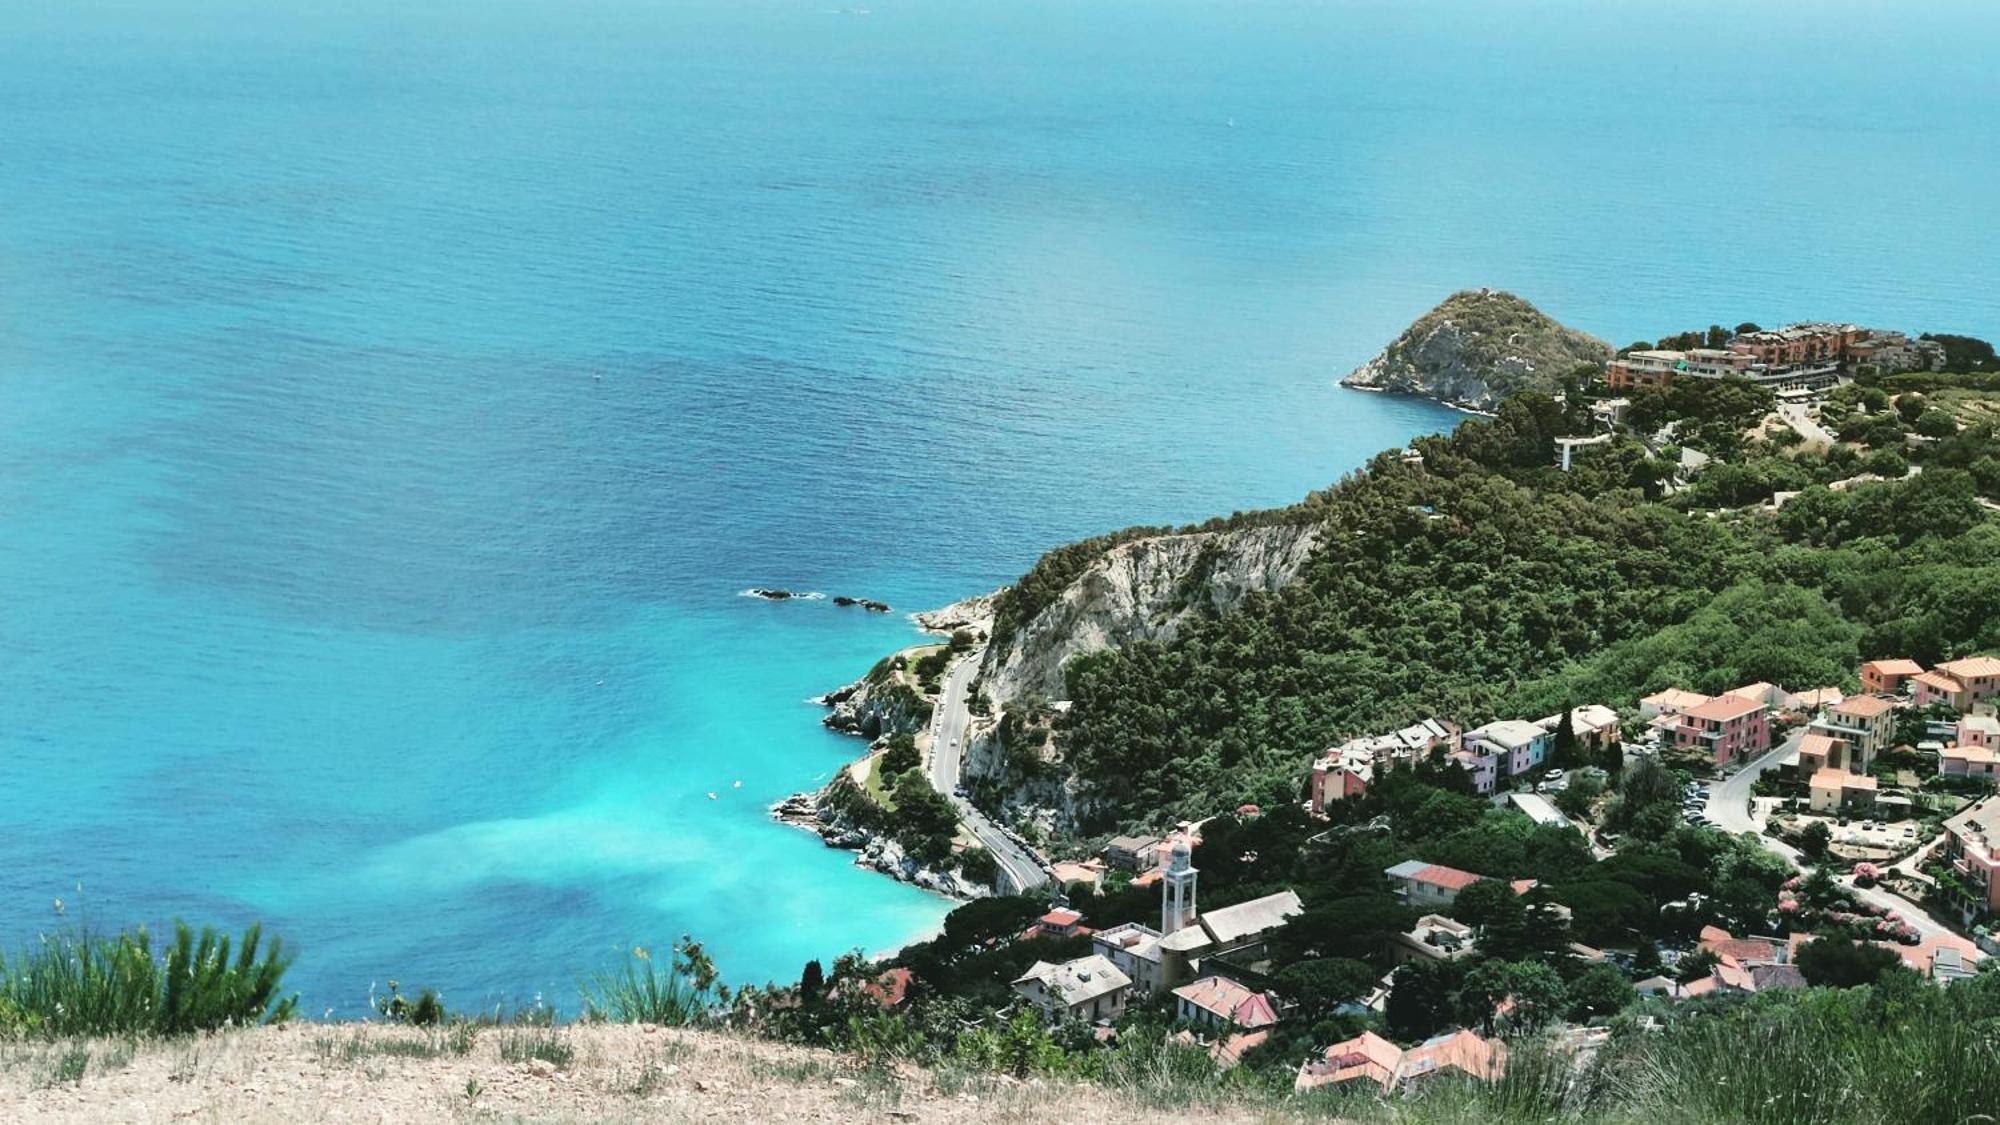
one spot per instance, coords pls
(973, 615)
(876, 706)
(865, 603)
(825, 813)
(1478, 347)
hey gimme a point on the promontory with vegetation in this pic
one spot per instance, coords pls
(1476, 348)
(1625, 756)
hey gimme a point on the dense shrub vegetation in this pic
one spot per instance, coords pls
(1486, 583)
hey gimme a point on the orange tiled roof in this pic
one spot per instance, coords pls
(1971, 666)
(1897, 667)
(1367, 1057)
(1865, 706)
(1723, 708)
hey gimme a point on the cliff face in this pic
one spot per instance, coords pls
(876, 707)
(1476, 348)
(1142, 590)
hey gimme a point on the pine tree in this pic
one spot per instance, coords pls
(812, 982)
(1566, 738)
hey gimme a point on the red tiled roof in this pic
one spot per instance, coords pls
(889, 988)
(1450, 878)
(1897, 667)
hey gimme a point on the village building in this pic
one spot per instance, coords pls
(1484, 766)
(1865, 723)
(1978, 762)
(1059, 922)
(1539, 809)
(1220, 1002)
(1670, 702)
(1816, 698)
(1434, 938)
(1370, 1060)
(1765, 695)
(1820, 752)
(1088, 989)
(1971, 851)
(1517, 746)
(1348, 769)
(1979, 729)
(1133, 853)
(1837, 791)
(1957, 683)
(1725, 729)
(1135, 949)
(1888, 677)
(1428, 884)
(1595, 726)
(1173, 954)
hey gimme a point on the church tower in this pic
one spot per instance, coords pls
(1177, 907)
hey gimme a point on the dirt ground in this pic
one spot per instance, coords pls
(368, 1073)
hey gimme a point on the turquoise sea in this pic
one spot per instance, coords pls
(394, 398)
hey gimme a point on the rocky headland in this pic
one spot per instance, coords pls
(1478, 347)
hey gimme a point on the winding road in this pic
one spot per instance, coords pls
(1729, 808)
(1020, 871)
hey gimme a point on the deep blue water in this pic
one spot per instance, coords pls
(393, 402)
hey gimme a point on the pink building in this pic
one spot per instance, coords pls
(1977, 676)
(1334, 779)
(1799, 343)
(1972, 848)
(1726, 728)
(1483, 765)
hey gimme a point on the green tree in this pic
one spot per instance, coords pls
(812, 982)
(1600, 990)
(1814, 840)
(1421, 999)
(1840, 962)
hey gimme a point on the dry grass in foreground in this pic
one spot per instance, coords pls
(355, 1072)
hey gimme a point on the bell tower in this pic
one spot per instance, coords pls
(1177, 907)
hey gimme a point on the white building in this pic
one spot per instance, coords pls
(1088, 989)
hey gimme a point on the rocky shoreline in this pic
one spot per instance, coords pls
(815, 812)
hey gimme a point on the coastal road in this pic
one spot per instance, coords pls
(1019, 870)
(1729, 808)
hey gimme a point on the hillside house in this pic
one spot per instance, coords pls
(1517, 746)
(1428, 884)
(1971, 851)
(1958, 683)
(1838, 792)
(1888, 677)
(1865, 723)
(1088, 989)
(1595, 725)
(1725, 729)
(1434, 938)
(1219, 1002)
(1370, 1060)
